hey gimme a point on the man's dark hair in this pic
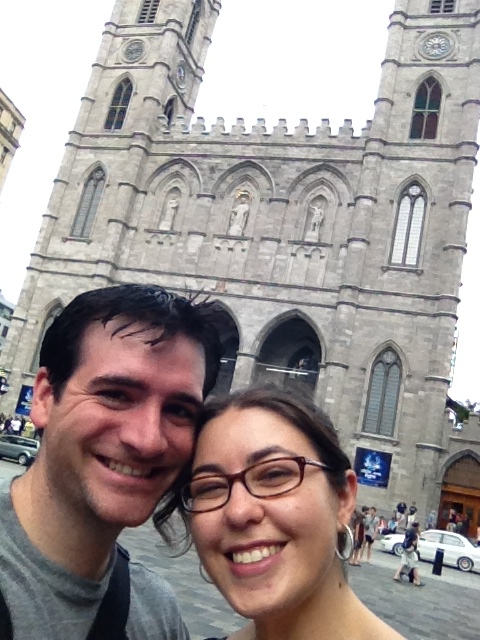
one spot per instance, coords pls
(149, 304)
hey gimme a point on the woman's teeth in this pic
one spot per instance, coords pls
(247, 557)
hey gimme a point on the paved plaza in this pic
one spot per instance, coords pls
(447, 608)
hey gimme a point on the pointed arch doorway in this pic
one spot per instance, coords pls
(290, 357)
(461, 492)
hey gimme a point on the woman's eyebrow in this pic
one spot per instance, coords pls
(254, 457)
(267, 451)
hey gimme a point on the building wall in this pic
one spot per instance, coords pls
(11, 127)
(338, 279)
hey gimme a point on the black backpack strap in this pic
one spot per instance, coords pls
(6, 630)
(111, 619)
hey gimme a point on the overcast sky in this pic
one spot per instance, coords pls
(306, 59)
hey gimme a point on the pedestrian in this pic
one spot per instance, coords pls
(123, 373)
(358, 527)
(392, 524)
(401, 515)
(409, 559)
(371, 529)
(8, 424)
(431, 521)
(452, 520)
(478, 536)
(16, 426)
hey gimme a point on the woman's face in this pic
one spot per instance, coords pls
(267, 554)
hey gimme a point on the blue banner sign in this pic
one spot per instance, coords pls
(372, 467)
(24, 403)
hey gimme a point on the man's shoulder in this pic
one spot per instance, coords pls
(154, 611)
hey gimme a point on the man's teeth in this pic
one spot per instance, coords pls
(247, 557)
(127, 470)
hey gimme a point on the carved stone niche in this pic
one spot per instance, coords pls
(316, 211)
(170, 209)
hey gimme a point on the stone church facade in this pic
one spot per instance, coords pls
(338, 257)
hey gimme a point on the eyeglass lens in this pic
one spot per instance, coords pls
(262, 480)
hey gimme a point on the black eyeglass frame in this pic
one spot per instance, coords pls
(233, 477)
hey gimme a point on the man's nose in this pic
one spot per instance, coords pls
(145, 431)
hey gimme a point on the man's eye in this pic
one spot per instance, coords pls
(181, 412)
(113, 395)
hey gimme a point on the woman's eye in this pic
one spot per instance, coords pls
(207, 490)
(274, 474)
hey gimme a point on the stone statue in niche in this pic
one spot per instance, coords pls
(317, 211)
(171, 210)
(239, 214)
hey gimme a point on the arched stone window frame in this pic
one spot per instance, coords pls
(54, 310)
(117, 110)
(193, 21)
(148, 11)
(170, 109)
(92, 192)
(427, 107)
(409, 227)
(384, 386)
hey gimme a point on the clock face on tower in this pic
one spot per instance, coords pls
(133, 51)
(436, 46)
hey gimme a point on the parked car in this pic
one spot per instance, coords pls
(23, 450)
(458, 551)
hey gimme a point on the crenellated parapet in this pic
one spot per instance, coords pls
(280, 133)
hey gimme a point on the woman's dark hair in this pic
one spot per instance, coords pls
(303, 414)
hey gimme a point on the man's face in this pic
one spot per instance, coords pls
(123, 426)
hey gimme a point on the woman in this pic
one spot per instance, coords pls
(268, 500)
(409, 559)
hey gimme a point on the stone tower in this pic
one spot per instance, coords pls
(337, 256)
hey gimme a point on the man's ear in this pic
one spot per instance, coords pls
(43, 399)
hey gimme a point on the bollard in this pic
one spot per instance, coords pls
(438, 562)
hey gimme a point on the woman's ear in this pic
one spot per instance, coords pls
(347, 498)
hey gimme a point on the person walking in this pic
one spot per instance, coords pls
(358, 526)
(123, 374)
(409, 558)
(371, 526)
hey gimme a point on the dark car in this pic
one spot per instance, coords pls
(23, 450)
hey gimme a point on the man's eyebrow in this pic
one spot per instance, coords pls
(123, 381)
(257, 456)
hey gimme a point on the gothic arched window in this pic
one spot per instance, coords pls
(426, 110)
(118, 107)
(382, 400)
(194, 20)
(87, 209)
(169, 110)
(48, 321)
(442, 6)
(409, 226)
(148, 12)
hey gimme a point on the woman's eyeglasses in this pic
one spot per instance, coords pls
(262, 480)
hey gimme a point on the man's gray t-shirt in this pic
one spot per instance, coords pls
(48, 602)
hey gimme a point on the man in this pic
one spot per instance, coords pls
(123, 373)
(409, 560)
(371, 526)
(358, 526)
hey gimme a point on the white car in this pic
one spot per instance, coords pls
(458, 551)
